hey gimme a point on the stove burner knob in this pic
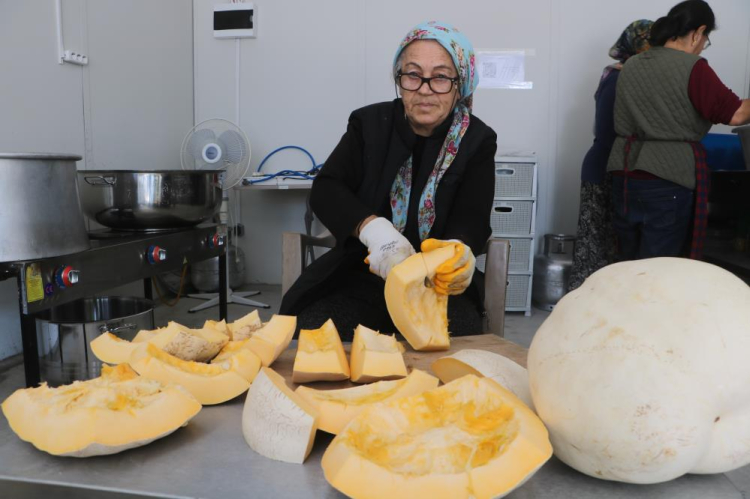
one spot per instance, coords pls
(155, 255)
(216, 241)
(66, 276)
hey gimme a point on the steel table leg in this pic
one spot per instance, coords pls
(148, 291)
(223, 286)
(30, 349)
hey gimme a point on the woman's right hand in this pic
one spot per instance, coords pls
(387, 247)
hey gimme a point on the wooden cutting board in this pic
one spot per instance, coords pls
(414, 359)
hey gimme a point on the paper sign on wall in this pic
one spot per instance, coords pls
(503, 69)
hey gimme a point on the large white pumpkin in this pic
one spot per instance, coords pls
(643, 373)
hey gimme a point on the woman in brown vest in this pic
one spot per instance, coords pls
(595, 237)
(667, 100)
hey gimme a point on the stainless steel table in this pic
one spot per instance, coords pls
(210, 459)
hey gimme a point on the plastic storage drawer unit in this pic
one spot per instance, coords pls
(517, 294)
(511, 217)
(514, 180)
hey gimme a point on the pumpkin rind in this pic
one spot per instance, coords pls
(488, 364)
(276, 422)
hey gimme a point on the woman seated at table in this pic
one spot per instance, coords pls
(419, 167)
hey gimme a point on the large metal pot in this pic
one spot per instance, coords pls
(147, 200)
(40, 214)
(64, 334)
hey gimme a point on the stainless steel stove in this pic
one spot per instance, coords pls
(115, 258)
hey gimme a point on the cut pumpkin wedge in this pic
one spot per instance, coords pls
(276, 422)
(199, 345)
(468, 439)
(375, 357)
(338, 407)
(243, 328)
(117, 411)
(320, 355)
(209, 383)
(112, 349)
(269, 341)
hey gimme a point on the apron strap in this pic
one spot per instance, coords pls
(700, 216)
(626, 170)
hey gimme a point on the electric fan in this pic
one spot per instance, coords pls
(218, 144)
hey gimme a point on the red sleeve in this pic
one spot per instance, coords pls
(713, 100)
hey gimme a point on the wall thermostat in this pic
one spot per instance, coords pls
(235, 20)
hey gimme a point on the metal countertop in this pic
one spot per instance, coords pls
(210, 459)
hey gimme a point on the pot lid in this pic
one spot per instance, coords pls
(40, 155)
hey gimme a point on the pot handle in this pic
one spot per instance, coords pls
(104, 328)
(101, 180)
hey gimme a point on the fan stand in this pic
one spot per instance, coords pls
(231, 148)
(239, 298)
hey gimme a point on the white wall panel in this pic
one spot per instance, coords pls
(128, 109)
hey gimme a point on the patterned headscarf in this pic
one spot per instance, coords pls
(462, 53)
(632, 41)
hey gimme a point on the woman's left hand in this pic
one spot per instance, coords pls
(454, 275)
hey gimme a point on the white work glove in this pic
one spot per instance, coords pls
(453, 276)
(387, 246)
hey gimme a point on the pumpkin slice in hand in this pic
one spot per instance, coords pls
(375, 356)
(117, 411)
(320, 355)
(488, 364)
(209, 383)
(338, 407)
(470, 438)
(417, 310)
(276, 422)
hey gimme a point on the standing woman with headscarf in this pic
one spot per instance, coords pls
(595, 237)
(667, 100)
(407, 174)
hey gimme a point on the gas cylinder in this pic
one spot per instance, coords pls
(552, 270)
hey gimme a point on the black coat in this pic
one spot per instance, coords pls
(356, 180)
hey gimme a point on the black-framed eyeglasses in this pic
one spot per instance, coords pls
(707, 44)
(413, 82)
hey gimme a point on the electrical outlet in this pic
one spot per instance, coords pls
(75, 58)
